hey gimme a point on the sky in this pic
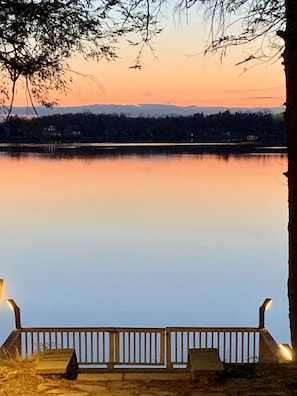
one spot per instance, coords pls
(176, 73)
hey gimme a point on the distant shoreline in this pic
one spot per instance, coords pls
(244, 129)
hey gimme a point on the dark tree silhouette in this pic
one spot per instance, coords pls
(259, 128)
(38, 37)
(290, 57)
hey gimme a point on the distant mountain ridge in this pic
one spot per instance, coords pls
(144, 110)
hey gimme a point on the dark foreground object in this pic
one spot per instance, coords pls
(61, 362)
(205, 364)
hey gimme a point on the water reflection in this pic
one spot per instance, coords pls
(181, 239)
(106, 150)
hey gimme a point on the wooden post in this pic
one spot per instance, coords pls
(110, 365)
(169, 364)
(162, 347)
(12, 346)
(268, 349)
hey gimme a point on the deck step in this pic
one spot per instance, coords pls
(62, 362)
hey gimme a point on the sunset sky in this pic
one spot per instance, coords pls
(177, 73)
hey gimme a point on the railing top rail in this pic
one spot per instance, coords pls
(139, 329)
(214, 329)
(93, 329)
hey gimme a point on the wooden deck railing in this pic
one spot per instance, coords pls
(101, 346)
(235, 345)
(110, 347)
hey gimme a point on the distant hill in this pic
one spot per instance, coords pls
(143, 110)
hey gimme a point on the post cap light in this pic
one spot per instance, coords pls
(266, 304)
(11, 304)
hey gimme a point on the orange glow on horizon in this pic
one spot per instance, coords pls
(218, 88)
(178, 74)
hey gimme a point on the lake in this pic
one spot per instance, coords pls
(143, 236)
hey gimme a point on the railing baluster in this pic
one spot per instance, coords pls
(254, 351)
(31, 343)
(242, 346)
(26, 343)
(117, 347)
(128, 347)
(154, 350)
(188, 344)
(224, 347)
(86, 345)
(134, 336)
(230, 346)
(145, 348)
(79, 346)
(92, 346)
(236, 347)
(129, 335)
(150, 347)
(123, 349)
(176, 347)
(139, 348)
(97, 347)
(103, 353)
(38, 342)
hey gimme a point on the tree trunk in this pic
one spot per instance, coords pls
(290, 62)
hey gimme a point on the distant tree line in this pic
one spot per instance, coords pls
(259, 128)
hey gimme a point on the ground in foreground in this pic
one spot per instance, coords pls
(20, 379)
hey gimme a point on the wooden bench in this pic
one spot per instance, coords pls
(61, 362)
(205, 364)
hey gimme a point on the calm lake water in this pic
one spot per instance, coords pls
(165, 238)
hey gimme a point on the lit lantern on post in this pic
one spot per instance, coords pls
(285, 352)
(1, 289)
